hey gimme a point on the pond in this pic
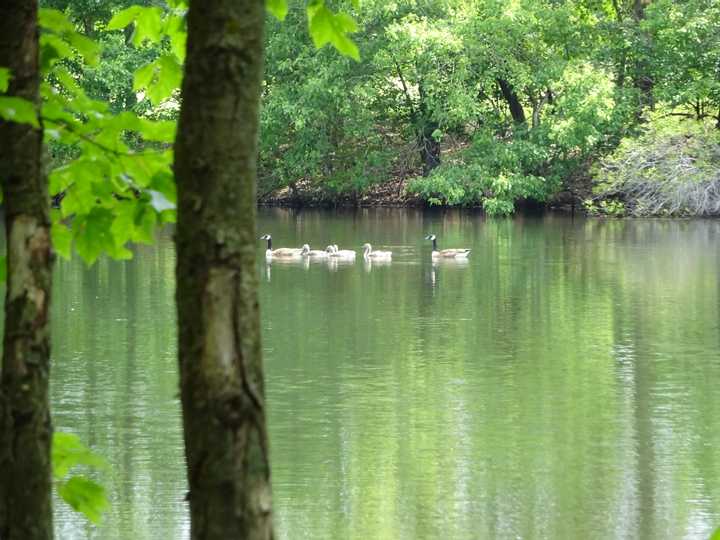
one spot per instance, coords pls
(562, 383)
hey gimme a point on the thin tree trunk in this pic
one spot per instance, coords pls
(508, 92)
(429, 146)
(25, 429)
(642, 79)
(226, 441)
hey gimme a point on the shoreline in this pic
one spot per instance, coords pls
(392, 194)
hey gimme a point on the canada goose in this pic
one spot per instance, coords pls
(461, 253)
(368, 253)
(313, 253)
(342, 253)
(279, 252)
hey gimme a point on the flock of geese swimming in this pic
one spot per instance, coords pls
(333, 252)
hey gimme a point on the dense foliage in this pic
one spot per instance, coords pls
(482, 102)
(467, 103)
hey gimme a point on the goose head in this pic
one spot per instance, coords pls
(430, 237)
(266, 237)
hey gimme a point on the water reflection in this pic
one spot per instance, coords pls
(114, 383)
(442, 265)
(561, 383)
(335, 263)
(298, 262)
(369, 264)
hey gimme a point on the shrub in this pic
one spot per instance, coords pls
(671, 169)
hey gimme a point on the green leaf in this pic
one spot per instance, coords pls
(85, 496)
(142, 78)
(53, 47)
(55, 21)
(61, 237)
(277, 8)
(4, 79)
(93, 236)
(177, 32)
(88, 48)
(328, 27)
(68, 452)
(78, 173)
(160, 78)
(165, 184)
(145, 222)
(716, 534)
(123, 227)
(123, 18)
(158, 130)
(148, 26)
(19, 110)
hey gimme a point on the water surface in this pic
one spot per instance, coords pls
(561, 384)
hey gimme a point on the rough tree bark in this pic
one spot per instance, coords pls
(222, 394)
(25, 429)
(516, 109)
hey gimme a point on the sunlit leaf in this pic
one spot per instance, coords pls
(88, 48)
(159, 78)
(4, 79)
(176, 30)
(53, 47)
(165, 184)
(54, 20)
(86, 496)
(142, 78)
(68, 452)
(61, 237)
(158, 130)
(278, 8)
(328, 27)
(148, 26)
(15, 109)
(123, 18)
(145, 222)
(93, 236)
(68, 81)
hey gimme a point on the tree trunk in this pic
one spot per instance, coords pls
(25, 429)
(226, 443)
(642, 79)
(516, 110)
(429, 146)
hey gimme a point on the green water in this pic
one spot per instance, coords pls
(562, 384)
